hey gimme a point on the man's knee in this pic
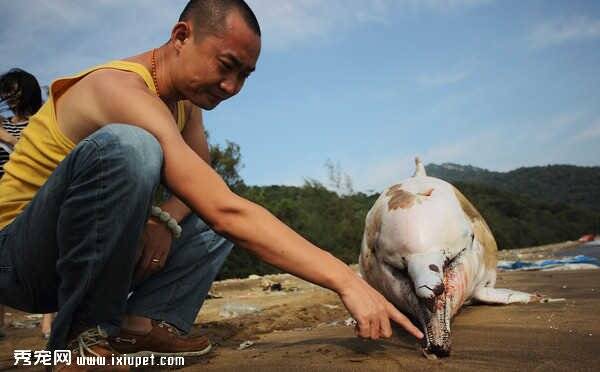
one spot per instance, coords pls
(131, 151)
(137, 144)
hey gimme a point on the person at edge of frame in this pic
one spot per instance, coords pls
(20, 93)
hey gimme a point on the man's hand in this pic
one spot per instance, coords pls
(372, 311)
(156, 244)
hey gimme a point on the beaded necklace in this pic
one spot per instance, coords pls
(154, 78)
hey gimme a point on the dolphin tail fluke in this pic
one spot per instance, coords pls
(419, 168)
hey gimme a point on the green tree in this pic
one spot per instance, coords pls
(227, 161)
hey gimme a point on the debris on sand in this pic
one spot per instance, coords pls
(212, 295)
(269, 285)
(233, 309)
(330, 306)
(350, 322)
(550, 300)
(28, 324)
(245, 345)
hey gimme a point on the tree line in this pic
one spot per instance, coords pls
(335, 220)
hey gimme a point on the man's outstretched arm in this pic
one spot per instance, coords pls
(247, 224)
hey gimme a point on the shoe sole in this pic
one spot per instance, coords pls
(179, 353)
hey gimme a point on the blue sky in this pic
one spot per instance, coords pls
(367, 84)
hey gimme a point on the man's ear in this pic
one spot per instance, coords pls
(181, 34)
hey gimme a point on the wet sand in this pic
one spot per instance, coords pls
(302, 328)
(554, 336)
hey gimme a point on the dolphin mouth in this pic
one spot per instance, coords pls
(437, 335)
(435, 315)
(432, 313)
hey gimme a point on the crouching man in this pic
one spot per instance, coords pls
(81, 232)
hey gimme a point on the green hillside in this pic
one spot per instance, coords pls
(524, 207)
(336, 222)
(568, 184)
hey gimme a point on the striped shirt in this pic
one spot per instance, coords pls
(14, 129)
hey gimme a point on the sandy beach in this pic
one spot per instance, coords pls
(301, 327)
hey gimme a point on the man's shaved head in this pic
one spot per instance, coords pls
(208, 16)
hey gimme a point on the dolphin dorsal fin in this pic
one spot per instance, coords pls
(419, 168)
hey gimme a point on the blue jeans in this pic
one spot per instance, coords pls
(73, 248)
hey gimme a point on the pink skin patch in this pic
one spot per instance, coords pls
(455, 281)
(426, 193)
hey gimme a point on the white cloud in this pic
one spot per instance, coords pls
(473, 149)
(55, 37)
(588, 134)
(548, 129)
(288, 22)
(441, 79)
(442, 5)
(560, 31)
(550, 140)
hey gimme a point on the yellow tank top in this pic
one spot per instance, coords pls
(42, 145)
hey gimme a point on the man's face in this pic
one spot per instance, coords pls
(215, 68)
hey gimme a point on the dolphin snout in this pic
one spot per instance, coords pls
(427, 274)
(437, 332)
(425, 291)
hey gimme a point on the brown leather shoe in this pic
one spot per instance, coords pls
(90, 343)
(163, 340)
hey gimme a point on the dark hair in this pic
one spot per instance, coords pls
(209, 15)
(21, 92)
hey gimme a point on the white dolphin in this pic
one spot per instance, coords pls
(429, 251)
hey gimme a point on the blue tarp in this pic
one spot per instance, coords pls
(546, 264)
